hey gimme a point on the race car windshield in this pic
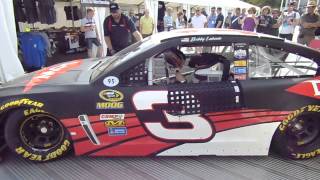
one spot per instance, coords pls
(123, 56)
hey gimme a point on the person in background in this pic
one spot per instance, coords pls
(227, 23)
(168, 20)
(275, 22)
(264, 21)
(88, 26)
(185, 16)
(250, 21)
(236, 20)
(203, 11)
(309, 22)
(243, 12)
(198, 20)
(180, 22)
(133, 18)
(289, 21)
(146, 24)
(118, 29)
(161, 14)
(212, 18)
(220, 18)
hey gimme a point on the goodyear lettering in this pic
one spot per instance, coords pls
(20, 150)
(36, 157)
(21, 102)
(63, 148)
(308, 155)
(110, 105)
(114, 123)
(28, 112)
(309, 108)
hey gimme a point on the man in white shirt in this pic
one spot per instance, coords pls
(198, 20)
(88, 26)
(289, 21)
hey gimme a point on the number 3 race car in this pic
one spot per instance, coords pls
(182, 93)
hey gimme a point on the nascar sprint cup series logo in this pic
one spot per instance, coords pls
(113, 99)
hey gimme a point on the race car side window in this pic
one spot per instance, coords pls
(202, 64)
(265, 62)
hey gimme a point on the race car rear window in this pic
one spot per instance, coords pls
(265, 62)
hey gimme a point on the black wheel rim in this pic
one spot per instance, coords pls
(303, 130)
(41, 132)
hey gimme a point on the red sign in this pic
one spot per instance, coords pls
(48, 73)
(310, 88)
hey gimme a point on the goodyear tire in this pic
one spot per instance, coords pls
(36, 135)
(298, 136)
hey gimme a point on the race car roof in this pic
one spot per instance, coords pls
(208, 32)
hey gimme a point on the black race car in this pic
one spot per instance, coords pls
(182, 93)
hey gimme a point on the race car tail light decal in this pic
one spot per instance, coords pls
(85, 123)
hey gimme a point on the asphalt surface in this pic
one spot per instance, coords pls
(184, 168)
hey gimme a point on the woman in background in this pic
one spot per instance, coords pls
(250, 21)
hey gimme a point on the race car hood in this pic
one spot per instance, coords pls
(68, 73)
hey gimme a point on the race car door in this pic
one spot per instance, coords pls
(177, 112)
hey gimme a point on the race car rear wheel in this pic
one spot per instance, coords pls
(300, 137)
(36, 137)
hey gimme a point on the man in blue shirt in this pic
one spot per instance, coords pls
(235, 20)
(212, 18)
(118, 29)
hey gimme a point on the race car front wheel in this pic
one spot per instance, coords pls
(298, 137)
(37, 137)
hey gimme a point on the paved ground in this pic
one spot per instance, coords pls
(184, 168)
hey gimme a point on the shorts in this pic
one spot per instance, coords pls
(91, 41)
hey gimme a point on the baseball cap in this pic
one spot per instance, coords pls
(114, 7)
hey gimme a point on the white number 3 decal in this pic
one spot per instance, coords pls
(201, 128)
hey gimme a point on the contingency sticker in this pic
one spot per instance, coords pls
(113, 99)
(111, 81)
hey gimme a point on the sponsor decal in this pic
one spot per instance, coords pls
(240, 70)
(205, 39)
(117, 131)
(28, 112)
(37, 157)
(20, 102)
(111, 95)
(105, 117)
(307, 155)
(240, 54)
(185, 40)
(111, 81)
(240, 63)
(113, 98)
(310, 88)
(52, 72)
(110, 105)
(115, 123)
(310, 108)
(240, 76)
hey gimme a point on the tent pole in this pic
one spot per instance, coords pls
(281, 6)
